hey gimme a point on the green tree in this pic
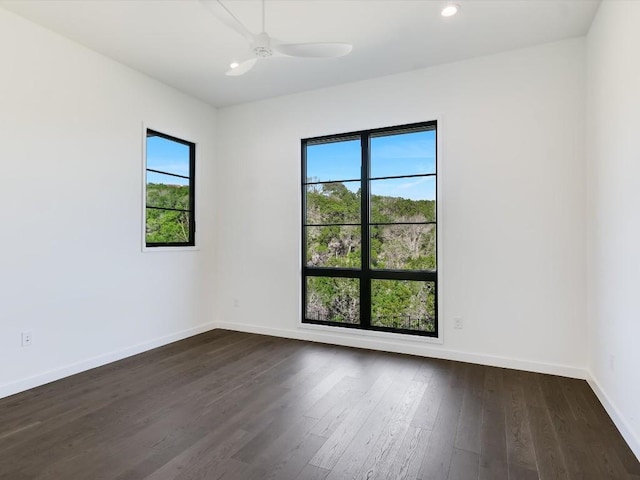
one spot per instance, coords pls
(411, 246)
(166, 226)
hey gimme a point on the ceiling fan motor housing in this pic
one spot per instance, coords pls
(262, 45)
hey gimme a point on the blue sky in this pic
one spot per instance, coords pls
(167, 156)
(391, 155)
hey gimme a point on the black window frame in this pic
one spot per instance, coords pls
(192, 190)
(365, 274)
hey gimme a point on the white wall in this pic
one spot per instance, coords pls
(512, 210)
(613, 153)
(71, 267)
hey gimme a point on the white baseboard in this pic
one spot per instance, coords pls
(410, 348)
(84, 365)
(345, 340)
(625, 430)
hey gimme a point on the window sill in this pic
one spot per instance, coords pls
(170, 249)
(371, 333)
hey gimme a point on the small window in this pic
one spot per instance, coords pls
(170, 195)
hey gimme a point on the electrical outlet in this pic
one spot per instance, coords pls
(457, 323)
(236, 303)
(27, 339)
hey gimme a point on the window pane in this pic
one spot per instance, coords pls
(333, 246)
(333, 299)
(166, 226)
(167, 156)
(403, 247)
(334, 161)
(405, 304)
(165, 191)
(333, 203)
(403, 154)
(403, 200)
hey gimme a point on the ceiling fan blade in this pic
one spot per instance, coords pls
(223, 14)
(314, 50)
(243, 68)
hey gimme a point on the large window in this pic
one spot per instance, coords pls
(369, 230)
(169, 199)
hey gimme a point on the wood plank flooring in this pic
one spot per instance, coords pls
(229, 405)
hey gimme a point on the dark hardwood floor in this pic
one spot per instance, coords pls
(239, 406)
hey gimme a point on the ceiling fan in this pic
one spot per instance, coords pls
(263, 46)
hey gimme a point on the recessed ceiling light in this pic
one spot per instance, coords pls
(450, 10)
(234, 65)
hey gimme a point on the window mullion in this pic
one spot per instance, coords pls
(365, 281)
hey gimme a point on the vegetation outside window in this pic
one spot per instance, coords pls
(369, 230)
(170, 182)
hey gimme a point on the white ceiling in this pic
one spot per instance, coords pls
(182, 44)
